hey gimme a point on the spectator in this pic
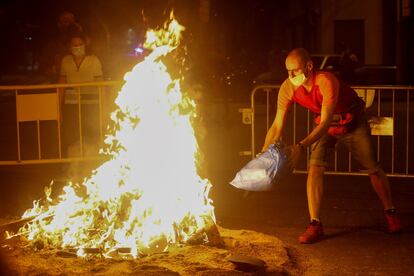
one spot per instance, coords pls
(80, 66)
(68, 26)
(54, 50)
(348, 63)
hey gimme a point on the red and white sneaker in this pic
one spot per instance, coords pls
(393, 221)
(313, 233)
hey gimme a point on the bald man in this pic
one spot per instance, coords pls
(340, 117)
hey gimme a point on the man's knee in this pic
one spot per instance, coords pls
(377, 174)
(315, 170)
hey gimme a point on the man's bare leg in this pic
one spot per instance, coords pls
(314, 187)
(382, 187)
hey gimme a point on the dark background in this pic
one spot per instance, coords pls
(239, 41)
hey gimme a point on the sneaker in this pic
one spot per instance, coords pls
(393, 221)
(313, 233)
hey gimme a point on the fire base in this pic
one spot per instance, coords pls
(198, 259)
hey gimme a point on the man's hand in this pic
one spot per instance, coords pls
(260, 152)
(264, 148)
(294, 152)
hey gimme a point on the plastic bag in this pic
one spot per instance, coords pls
(265, 171)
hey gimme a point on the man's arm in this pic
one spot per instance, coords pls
(316, 133)
(329, 87)
(284, 99)
(326, 118)
(61, 91)
(275, 131)
(97, 69)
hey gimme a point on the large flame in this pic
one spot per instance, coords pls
(148, 195)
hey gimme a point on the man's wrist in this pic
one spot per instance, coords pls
(301, 146)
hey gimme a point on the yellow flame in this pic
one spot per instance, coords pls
(148, 195)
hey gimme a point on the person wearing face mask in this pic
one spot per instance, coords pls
(340, 117)
(56, 45)
(79, 66)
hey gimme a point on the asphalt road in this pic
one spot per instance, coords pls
(355, 243)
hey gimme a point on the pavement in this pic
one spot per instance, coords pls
(355, 243)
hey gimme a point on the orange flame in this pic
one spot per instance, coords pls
(148, 195)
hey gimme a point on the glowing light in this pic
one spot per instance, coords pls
(148, 195)
(138, 50)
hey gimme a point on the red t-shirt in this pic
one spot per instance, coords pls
(326, 90)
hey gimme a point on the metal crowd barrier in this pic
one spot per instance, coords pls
(389, 109)
(37, 114)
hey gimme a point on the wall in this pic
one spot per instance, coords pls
(369, 10)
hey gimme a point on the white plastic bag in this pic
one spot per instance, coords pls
(265, 171)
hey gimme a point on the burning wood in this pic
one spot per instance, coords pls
(208, 235)
(16, 224)
(148, 195)
(242, 251)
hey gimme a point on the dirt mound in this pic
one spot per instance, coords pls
(243, 251)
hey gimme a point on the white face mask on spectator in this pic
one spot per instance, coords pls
(298, 80)
(78, 51)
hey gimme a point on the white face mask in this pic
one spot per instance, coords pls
(78, 51)
(298, 80)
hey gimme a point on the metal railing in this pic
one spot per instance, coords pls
(36, 108)
(390, 112)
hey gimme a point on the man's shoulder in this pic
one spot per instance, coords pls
(92, 60)
(323, 76)
(286, 92)
(286, 86)
(93, 57)
(67, 60)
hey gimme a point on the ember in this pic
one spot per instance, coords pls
(148, 196)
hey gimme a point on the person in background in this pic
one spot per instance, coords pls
(340, 118)
(56, 46)
(348, 65)
(68, 26)
(80, 65)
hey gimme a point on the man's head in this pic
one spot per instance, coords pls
(66, 19)
(77, 45)
(299, 66)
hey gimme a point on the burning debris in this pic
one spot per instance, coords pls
(148, 196)
(146, 209)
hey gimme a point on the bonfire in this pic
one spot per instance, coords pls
(147, 195)
(146, 207)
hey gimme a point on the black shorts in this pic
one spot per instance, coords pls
(357, 140)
